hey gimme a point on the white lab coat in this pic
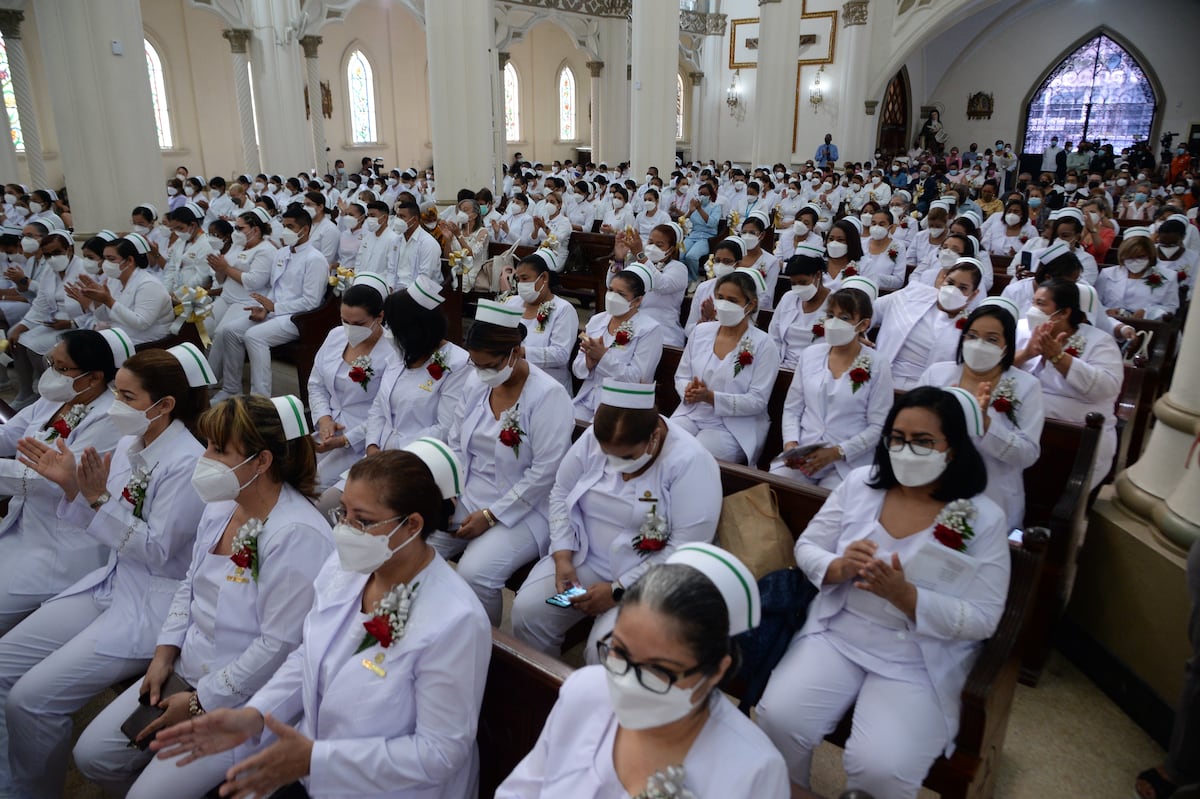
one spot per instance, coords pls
(188, 264)
(792, 327)
(326, 238)
(1008, 448)
(255, 266)
(550, 348)
(646, 222)
(412, 404)
(375, 252)
(914, 333)
(142, 308)
(51, 304)
(731, 758)
(739, 399)
(409, 734)
(1120, 289)
(634, 362)
(887, 272)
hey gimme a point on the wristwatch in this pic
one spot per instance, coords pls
(100, 500)
(618, 590)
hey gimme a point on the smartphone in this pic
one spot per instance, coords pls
(563, 600)
(801, 452)
(1027, 260)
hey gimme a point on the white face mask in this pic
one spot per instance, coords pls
(654, 254)
(257, 186)
(392, 181)
(631, 465)
(29, 245)
(721, 270)
(805, 293)
(879, 232)
(362, 552)
(1137, 265)
(866, 220)
(618, 203)
(495, 377)
(637, 708)
(947, 258)
(800, 228)
(91, 267)
(918, 470)
(837, 249)
(529, 292)
(739, 185)
(238, 238)
(729, 313)
(1035, 316)
(839, 332)
(462, 218)
(129, 421)
(11, 199)
(1169, 252)
(750, 240)
(651, 206)
(37, 208)
(111, 270)
(615, 304)
(357, 334)
(53, 385)
(288, 238)
(875, 180)
(171, 192)
(980, 355)
(189, 190)
(1012, 220)
(950, 298)
(58, 263)
(371, 224)
(216, 482)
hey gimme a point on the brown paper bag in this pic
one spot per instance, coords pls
(751, 529)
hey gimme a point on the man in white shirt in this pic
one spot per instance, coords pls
(1050, 156)
(416, 253)
(220, 206)
(325, 235)
(378, 242)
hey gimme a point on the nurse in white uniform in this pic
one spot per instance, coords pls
(840, 395)
(652, 214)
(1009, 401)
(551, 323)
(129, 297)
(632, 489)
(657, 690)
(39, 554)
(754, 230)
(619, 343)
(843, 249)
(515, 428)
(721, 262)
(883, 262)
(1138, 287)
(382, 697)
(140, 504)
(245, 268)
(187, 264)
(346, 375)
(727, 372)
(52, 310)
(661, 252)
(238, 614)
(886, 633)
(798, 319)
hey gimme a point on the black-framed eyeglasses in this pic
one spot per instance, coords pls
(654, 679)
(922, 445)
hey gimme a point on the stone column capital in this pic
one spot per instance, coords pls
(696, 78)
(10, 23)
(310, 45)
(504, 58)
(238, 38)
(595, 67)
(854, 12)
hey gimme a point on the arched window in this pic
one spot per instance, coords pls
(512, 104)
(361, 91)
(678, 107)
(158, 96)
(566, 105)
(1099, 93)
(10, 99)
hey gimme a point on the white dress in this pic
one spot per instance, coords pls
(633, 361)
(664, 302)
(793, 329)
(1155, 290)
(188, 264)
(413, 403)
(548, 342)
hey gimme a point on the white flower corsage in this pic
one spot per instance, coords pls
(653, 534)
(745, 356)
(361, 371)
(71, 419)
(666, 784)
(1075, 345)
(245, 547)
(543, 315)
(390, 620)
(135, 489)
(1004, 399)
(952, 527)
(860, 372)
(624, 334)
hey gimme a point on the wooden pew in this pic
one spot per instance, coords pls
(584, 276)
(189, 333)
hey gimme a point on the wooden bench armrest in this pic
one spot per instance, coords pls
(1079, 481)
(547, 669)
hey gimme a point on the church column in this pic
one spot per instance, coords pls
(614, 92)
(285, 142)
(459, 36)
(315, 112)
(112, 163)
(853, 136)
(595, 69)
(499, 142)
(238, 39)
(775, 80)
(697, 80)
(10, 27)
(655, 64)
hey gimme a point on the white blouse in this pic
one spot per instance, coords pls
(1155, 290)
(633, 360)
(548, 341)
(793, 329)
(413, 403)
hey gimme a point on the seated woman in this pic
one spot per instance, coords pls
(754, 230)
(919, 326)
(652, 215)
(652, 712)
(1009, 399)
(618, 215)
(403, 724)
(515, 426)
(258, 547)
(129, 297)
(187, 264)
(631, 489)
(1137, 287)
(619, 343)
(1173, 255)
(704, 217)
(927, 242)
(844, 249)
(247, 265)
(885, 634)
(884, 259)
(144, 221)
(465, 230)
(551, 229)
(670, 276)
(40, 555)
(140, 503)
(721, 262)
(345, 378)
(840, 395)
(954, 246)
(1098, 231)
(350, 223)
(1078, 365)
(802, 231)
(1009, 233)
(551, 323)
(726, 373)
(796, 322)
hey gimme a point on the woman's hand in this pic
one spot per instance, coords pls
(888, 582)
(983, 396)
(93, 473)
(218, 264)
(285, 761)
(217, 731)
(56, 464)
(177, 707)
(850, 565)
(696, 392)
(266, 302)
(95, 291)
(597, 600)
(161, 668)
(708, 311)
(819, 459)
(475, 525)
(15, 273)
(564, 571)
(326, 426)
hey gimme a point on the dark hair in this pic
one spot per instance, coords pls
(1065, 295)
(852, 301)
(634, 280)
(887, 212)
(255, 221)
(217, 182)
(144, 212)
(317, 198)
(854, 249)
(694, 605)
(222, 227)
(408, 206)
(804, 265)
(405, 485)
(967, 223)
(811, 212)
(976, 274)
(742, 281)
(184, 214)
(95, 245)
(378, 205)
(493, 339)
(1058, 268)
(125, 249)
(364, 297)
(617, 188)
(161, 375)
(758, 224)
(966, 476)
(624, 426)
(90, 352)
(296, 212)
(416, 330)
(669, 232)
(1172, 226)
(968, 245)
(1010, 332)
(734, 246)
(253, 423)
(267, 202)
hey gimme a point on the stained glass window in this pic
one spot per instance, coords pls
(10, 99)
(158, 96)
(566, 105)
(678, 107)
(362, 98)
(512, 104)
(1098, 93)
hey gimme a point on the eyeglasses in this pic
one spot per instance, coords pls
(924, 445)
(61, 369)
(654, 679)
(338, 516)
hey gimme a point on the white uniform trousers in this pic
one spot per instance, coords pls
(898, 728)
(829, 478)
(717, 440)
(253, 340)
(489, 560)
(49, 669)
(103, 755)
(220, 332)
(543, 626)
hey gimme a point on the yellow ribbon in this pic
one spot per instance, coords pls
(194, 306)
(341, 280)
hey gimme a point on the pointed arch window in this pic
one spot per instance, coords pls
(512, 104)
(566, 105)
(360, 80)
(10, 99)
(1098, 93)
(678, 107)
(158, 96)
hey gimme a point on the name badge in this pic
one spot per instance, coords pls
(427, 386)
(238, 576)
(373, 667)
(646, 497)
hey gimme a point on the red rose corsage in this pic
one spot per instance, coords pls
(818, 330)
(621, 338)
(850, 271)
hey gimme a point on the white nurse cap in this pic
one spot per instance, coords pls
(1004, 303)
(735, 241)
(65, 235)
(732, 579)
(120, 344)
(1088, 299)
(151, 208)
(374, 280)
(193, 209)
(762, 218)
(442, 464)
(195, 365)
(966, 259)
(497, 313)
(756, 277)
(261, 213)
(1135, 232)
(291, 416)
(107, 235)
(139, 242)
(972, 413)
(863, 284)
(810, 250)
(637, 396)
(1055, 250)
(546, 255)
(644, 272)
(678, 231)
(426, 293)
